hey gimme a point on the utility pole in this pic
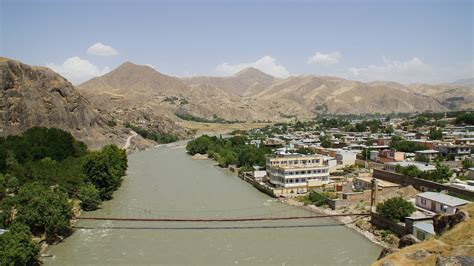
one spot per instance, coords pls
(373, 194)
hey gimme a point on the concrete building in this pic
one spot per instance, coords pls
(454, 152)
(423, 230)
(296, 172)
(427, 156)
(345, 157)
(439, 203)
(392, 166)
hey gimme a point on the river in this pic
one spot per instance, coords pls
(166, 182)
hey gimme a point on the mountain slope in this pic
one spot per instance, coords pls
(37, 96)
(131, 88)
(247, 82)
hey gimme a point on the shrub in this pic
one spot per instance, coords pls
(395, 209)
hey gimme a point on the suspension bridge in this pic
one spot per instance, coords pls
(231, 219)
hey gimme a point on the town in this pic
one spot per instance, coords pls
(404, 169)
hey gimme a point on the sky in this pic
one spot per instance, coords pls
(415, 41)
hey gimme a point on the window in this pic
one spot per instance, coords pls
(423, 201)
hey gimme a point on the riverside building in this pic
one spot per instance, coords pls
(296, 173)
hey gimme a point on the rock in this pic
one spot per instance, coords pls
(199, 156)
(407, 240)
(386, 251)
(418, 255)
(37, 96)
(443, 223)
(455, 261)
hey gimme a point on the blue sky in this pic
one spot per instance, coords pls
(405, 41)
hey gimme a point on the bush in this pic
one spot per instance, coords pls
(17, 248)
(90, 197)
(395, 209)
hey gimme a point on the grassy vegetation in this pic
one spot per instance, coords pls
(215, 119)
(234, 150)
(153, 135)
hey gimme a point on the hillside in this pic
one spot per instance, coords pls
(139, 93)
(453, 244)
(37, 96)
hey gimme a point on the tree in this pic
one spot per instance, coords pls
(435, 134)
(44, 210)
(389, 130)
(199, 145)
(395, 209)
(325, 141)
(89, 196)
(17, 247)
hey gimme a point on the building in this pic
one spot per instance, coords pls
(365, 183)
(454, 152)
(439, 203)
(390, 156)
(296, 172)
(423, 230)
(427, 156)
(345, 157)
(464, 141)
(392, 166)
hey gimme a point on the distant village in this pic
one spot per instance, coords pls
(348, 165)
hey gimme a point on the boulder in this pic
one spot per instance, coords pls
(407, 240)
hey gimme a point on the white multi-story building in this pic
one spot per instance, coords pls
(296, 172)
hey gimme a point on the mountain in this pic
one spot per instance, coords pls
(141, 94)
(247, 82)
(452, 96)
(37, 96)
(339, 96)
(465, 82)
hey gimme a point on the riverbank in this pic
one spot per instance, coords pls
(345, 220)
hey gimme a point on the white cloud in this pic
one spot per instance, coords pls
(413, 70)
(78, 70)
(100, 49)
(325, 59)
(403, 71)
(266, 64)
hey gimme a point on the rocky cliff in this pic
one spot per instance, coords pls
(37, 96)
(454, 244)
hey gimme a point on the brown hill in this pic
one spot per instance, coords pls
(37, 96)
(247, 82)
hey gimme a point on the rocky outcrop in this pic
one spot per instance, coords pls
(407, 240)
(455, 246)
(37, 96)
(443, 223)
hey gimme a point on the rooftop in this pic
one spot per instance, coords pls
(443, 198)
(427, 227)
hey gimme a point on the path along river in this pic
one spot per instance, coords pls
(166, 182)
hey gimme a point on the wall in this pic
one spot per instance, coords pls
(386, 224)
(421, 184)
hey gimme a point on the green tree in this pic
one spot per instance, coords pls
(389, 130)
(325, 141)
(435, 134)
(105, 169)
(89, 196)
(44, 210)
(199, 145)
(395, 209)
(17, 247)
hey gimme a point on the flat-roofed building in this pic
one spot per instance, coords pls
(439, 203)
(427, 156)
(392, 166)
(296, 172)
